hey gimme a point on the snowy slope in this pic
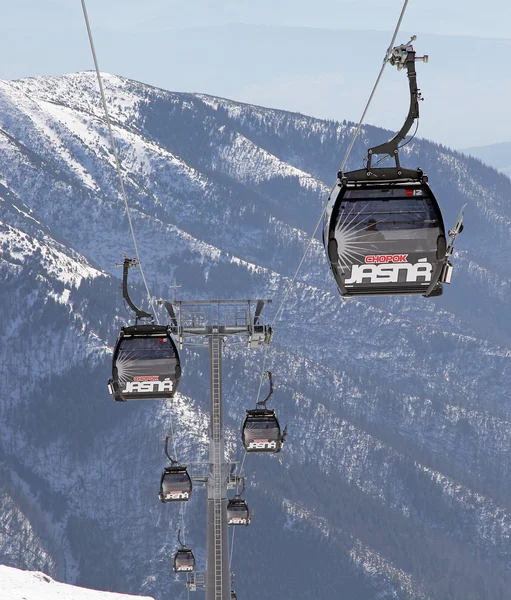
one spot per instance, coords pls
(33, 585)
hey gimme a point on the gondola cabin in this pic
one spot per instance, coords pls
(175, 485)
(261, 431)
(184, 561)
(237, 512)
(145, 364)
(385, 236)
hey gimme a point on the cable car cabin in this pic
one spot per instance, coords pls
(184, 561)
(385, 237)
(145, 364)
(237, 512)
(175, 485)
(261, 431)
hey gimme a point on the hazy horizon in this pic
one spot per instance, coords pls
(310, 59)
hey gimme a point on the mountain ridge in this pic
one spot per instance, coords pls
(397, 406)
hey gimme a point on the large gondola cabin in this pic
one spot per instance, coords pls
(385, 237)
(384, 232)
(145, 364)
(175, 485)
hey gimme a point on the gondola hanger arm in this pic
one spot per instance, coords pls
(179, 539)
(264, 402)
(401, 57)
(238, 495)
(127, 264)
(172, 461)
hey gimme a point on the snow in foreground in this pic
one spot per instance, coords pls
(34, 585)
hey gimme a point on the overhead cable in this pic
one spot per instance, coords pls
(348, 152)
(114, 150)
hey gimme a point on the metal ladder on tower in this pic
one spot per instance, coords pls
(217, 464)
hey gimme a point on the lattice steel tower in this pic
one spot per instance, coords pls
(211, 323)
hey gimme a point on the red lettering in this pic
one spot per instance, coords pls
(386, 258)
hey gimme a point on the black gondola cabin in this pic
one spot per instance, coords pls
(175, 485)
(385, 237)
(184, 561)
(145, 364)
(383, 231)
(237, 512)
(261, 431)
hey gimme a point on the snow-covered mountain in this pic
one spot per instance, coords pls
(395, 480)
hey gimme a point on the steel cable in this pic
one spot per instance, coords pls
(291, 283)
(232, 549)
(348, 152)
(128, 213)
(174, 446)
(114, 150)
(343, 164)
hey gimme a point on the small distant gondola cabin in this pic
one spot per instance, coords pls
(184, 561)
(237, 512)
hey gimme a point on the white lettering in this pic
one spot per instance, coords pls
(417, 273)
(388, 273)
(141, 387)
(177, 496)
(423, 270)
(262, 445)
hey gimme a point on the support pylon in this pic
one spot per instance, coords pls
(210, 322)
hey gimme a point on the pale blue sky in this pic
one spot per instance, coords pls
(319, 58)
(448, 17)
